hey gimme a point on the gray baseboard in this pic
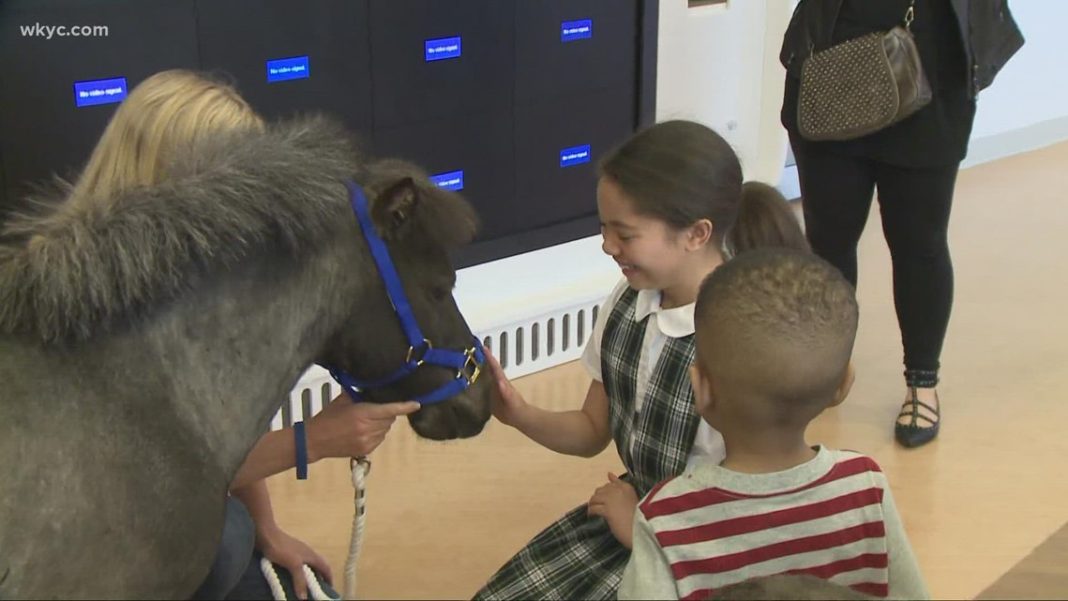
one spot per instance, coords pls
(1033, 137)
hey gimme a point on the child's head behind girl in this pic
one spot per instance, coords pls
(672, 204)
(774, 332)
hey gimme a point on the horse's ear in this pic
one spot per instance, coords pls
(394, 206)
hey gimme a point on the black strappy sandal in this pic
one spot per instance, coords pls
(913, 434)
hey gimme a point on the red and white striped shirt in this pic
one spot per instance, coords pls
(832, 517)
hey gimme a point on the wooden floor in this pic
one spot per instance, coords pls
(443, 517)
(1043, 574)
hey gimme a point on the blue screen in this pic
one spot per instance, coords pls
(575, 155)
(453, 180)
(284, 69)
(99, 91)
(576, 30)
(442, 48)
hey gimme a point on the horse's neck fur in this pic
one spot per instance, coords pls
(271, 318)
(126, 444)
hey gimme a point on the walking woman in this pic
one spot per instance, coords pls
(913, 164)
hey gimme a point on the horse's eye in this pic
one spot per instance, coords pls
(439, 293)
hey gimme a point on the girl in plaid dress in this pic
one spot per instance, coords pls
(672, 207)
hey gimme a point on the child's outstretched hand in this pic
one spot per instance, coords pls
(616, 502)
(507, 403)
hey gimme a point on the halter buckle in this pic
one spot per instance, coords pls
(471, 368)
(426, 346)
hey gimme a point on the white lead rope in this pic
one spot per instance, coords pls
(360, 468)
(278, 592)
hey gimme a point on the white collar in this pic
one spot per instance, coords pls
(676, 322)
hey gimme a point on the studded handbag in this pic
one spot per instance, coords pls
(862, 85)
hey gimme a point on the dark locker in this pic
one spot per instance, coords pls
(566, 47)
(434, 58)
(292, 57)
(558, 146)
(479, 146)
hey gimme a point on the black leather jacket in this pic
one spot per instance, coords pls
(990, 36)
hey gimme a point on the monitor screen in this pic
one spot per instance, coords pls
(575, 155)
(442, 49)
(99, 91)
(452, 180)
(285, 69)
(571, 31)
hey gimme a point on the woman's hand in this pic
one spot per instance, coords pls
(292, 554)
(347, 429)
(616, 502)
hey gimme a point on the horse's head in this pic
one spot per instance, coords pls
(420, 224)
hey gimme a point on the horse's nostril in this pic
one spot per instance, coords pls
(449, 420)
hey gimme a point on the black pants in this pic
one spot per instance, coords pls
(836, 193)
(235, 574)
(233, 555)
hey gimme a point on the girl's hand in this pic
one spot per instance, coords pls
(507, 403)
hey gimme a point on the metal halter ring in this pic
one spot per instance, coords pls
(471, 369)
(411, 351)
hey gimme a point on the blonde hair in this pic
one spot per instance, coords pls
(168, 111)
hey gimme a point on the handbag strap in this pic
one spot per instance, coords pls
(910, 16)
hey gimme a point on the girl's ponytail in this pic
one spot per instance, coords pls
(764, 220)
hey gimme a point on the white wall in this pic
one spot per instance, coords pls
(718, 65)
(1027, 107)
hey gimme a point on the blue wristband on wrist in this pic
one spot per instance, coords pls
(301, 440)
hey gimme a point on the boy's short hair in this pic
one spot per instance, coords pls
(776, 326)
(788, 587)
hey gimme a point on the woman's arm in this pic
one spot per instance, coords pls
(343, 429)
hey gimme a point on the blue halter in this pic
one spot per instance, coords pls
(467, 363)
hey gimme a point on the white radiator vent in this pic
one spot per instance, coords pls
(314, 390)
(523, 348)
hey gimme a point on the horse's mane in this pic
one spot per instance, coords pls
(72, 264)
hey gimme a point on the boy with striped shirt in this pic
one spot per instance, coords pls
(774, 334)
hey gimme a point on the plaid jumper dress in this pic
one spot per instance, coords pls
(577, 557)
